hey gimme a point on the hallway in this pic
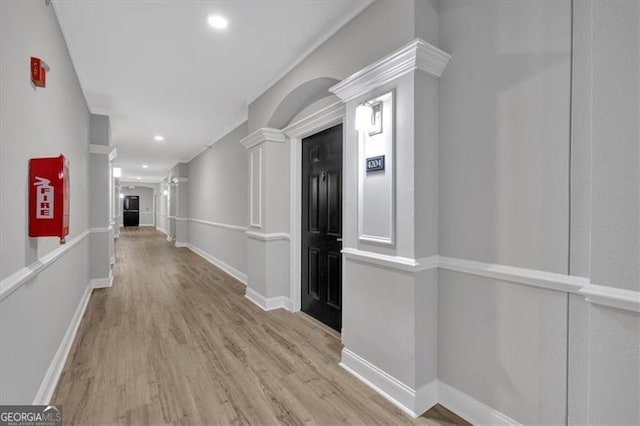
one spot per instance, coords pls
(175, 341)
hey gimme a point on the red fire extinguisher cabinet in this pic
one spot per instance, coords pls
(49, 197)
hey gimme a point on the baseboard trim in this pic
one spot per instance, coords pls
(50, 381)
(242, 277)
(181, 244)
(470, 408)
(416, 402)
(268, 304)
(412, 402)
(102, 282)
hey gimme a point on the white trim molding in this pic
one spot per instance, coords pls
(628, 300)
(275, 236)
(103, 150)
(415, 402)
(263, 135)
(411, 401)
(51, 377)
(612, 297)
(18, 278)
(317, 122)
(255, 207)
(179, 180)
(102, 282)
(532, 277)
(393, 262)
(417, 54)
(100, 230)
(268, 304)
(240, 276)
(219, 225)
(469, 408)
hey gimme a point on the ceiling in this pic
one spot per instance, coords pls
(158, 68)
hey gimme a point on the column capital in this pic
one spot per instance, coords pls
(415, 55)
(263, 135)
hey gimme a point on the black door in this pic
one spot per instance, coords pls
(322, 226)
(130, 211)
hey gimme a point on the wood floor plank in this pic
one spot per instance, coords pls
(174, 341)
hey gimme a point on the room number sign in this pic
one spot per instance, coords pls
(375, 163)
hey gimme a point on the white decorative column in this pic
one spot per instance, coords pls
(268, 238)
(100, 211)
(181, 212)
(390, 278)
(171, 212)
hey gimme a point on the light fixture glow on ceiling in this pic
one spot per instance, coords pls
(217, 21)
(159, 138)
(117, 172)
(144, 166)
(138, 178)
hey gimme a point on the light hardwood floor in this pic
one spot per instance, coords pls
(175, 341)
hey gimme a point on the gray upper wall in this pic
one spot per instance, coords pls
(504, 115)
(218, 181)
(377, 31)
(37, 122)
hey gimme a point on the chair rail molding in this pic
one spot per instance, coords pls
(21, 276)
(275, 236)
(417, 54)
(218, 224)
(392, 262)
(612, 297)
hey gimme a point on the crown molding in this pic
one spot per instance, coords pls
(263, 135)
(417, 54)
(316, 122)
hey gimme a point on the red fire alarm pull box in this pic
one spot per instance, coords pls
(39, 72)
(49, 197)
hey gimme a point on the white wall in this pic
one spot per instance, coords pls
(38, 123)
(219, 202)
(504, 199)
(146, 200)
(604, 374)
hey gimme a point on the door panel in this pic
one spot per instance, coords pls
(322, 226)
(130, 213)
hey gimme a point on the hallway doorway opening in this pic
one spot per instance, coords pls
(131, 210)
(321, 234)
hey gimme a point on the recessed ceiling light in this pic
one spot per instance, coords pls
(159, 138)
(217, 21)
(144, 166)
(138, 178)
